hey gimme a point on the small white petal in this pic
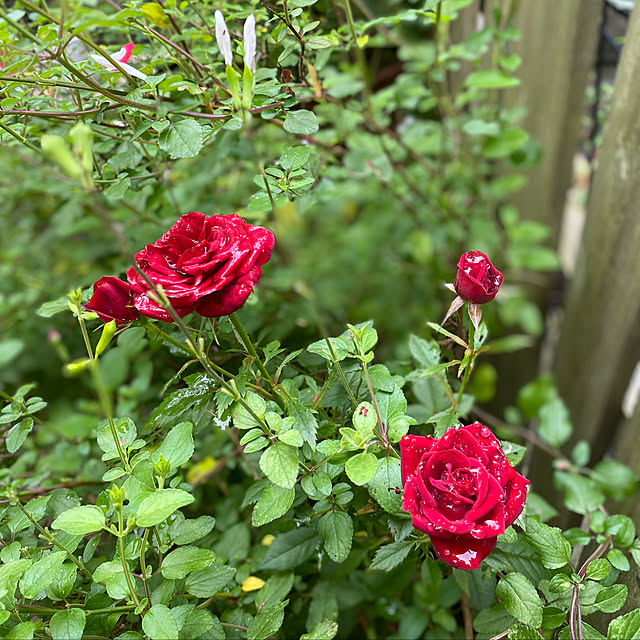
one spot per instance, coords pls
(250, 42)
(132, 71)
(222, 36)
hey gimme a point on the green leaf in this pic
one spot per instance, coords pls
(364, 420)
(205, 583)
(612, 598)
(182, 139)
(80, 520)
(554, 550)
(505, 143)
(189, 531)
(582, 494)
(618, 560)
(160, 505)
(177, 447)
(386, 486)
(41, 574)
(520, 599)
(280, 464)
(51, 308)
(625, 627)
(182, 561)
(391, 555)
(22, 631)
(275, 590)
(622, 528)
(301, 121)
(68, 624)
(340, 345)
(198, 622)
(18, 434)
(127, 434)
(294, 157)
(555, 425)
(361, 468)
(290, 549)
(267, 622)
(598, 569)
(305, 422)
(325, 630)
(481, 128)
(491, 79)
(615, 479)
(336, 529)
(274, 502)
(159, 623)
(242, 419)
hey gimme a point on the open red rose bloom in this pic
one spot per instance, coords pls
(204, 264)
(477, 280)
(462, 491)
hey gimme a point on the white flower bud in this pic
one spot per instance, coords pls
(250, 42)
(222, 36)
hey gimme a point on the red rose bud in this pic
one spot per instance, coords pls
(477, 280)
(461, 490)
(112, 299)
(204, 264)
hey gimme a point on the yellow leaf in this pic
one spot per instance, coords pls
(252, 584)
(201, 470)
(267, 540)
(154, 13)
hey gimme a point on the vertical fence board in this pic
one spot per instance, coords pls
(558, 47)
(599, 342)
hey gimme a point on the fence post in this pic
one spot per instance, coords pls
(558, 45)
(600, 337)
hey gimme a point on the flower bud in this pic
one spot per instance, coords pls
(250, 42)
(477, 280)
(108, 331)
(222, 36)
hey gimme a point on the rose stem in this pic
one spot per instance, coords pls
(467, 371)
(245, 340)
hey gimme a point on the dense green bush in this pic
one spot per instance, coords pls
(185, 480)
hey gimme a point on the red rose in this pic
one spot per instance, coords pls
(204, 264)
(462, 491)
(477, 280)
(112, 299)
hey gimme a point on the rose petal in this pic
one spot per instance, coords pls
(491, 524)
(516, 492)
(231, 298)
(463, 552)
(412, 448)
(150, 309)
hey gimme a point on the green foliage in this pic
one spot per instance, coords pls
(177, 471)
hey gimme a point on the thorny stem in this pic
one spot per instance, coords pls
(196, 352)
(90, 612)
(467, 371)
(249, 346)
(103, 396)
(49, 538)
(343, 379)
(143, 566)
(19, 137)
(125, 566)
